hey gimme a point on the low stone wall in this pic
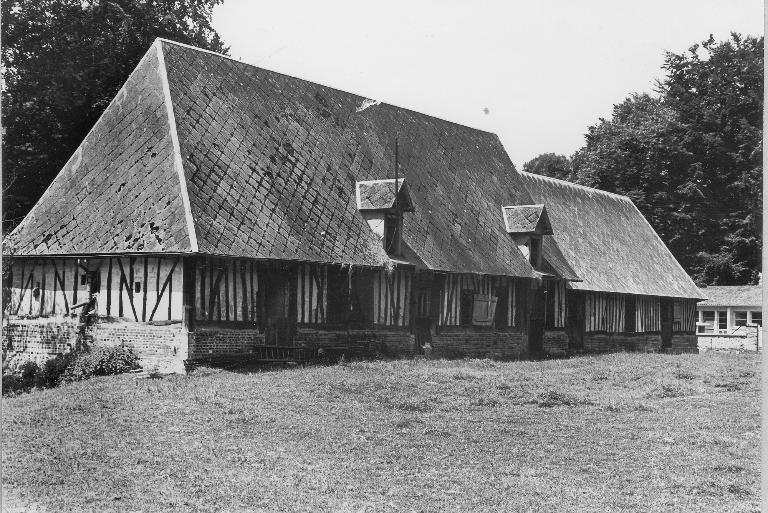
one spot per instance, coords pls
(749, 340)
(466, 342)
(160, 347)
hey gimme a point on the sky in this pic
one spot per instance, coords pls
(537, 73)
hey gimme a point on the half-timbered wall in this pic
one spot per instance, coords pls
(684, 316)
(604, 312)
(392, 298)
(450, 304)
(311, 293)
(556, 305)
(134, 288)
(647, 314)
(226, 290)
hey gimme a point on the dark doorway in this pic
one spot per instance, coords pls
(666, 323)
(575, 321)
(279, 307)
(536, 324)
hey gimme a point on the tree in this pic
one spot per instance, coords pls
(550, 164)
(63, 62)
(691, 158)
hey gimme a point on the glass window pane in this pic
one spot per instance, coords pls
(757, 318)
(722, 320)
(708, 318)
(741, 318)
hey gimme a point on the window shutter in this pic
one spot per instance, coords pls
(483, 310)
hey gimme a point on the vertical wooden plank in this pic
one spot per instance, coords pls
(201, 297)
(324, 299)
(151, 290)
(253, 292)
(235, 293)
(176, 290)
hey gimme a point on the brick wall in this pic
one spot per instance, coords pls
(210, 342)
(463, 342)
(161, 347)
(602, 342)
(556, 342)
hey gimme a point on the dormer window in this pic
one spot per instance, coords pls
(527, 224)
(382, 203)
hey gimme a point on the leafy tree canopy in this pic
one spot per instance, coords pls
(550, 164)
(690, 157)
(63, 62)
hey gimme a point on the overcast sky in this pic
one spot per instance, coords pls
(537, 73)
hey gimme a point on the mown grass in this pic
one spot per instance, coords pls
(625, 432)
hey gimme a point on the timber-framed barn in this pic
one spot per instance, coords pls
(220, 210)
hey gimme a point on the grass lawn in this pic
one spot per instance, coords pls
(637, 432)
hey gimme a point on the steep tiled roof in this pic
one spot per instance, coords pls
(734, 295)
(271, 163)
(607, 241)
(527, 219)
(121, 190)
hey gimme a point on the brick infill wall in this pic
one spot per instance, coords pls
(160, 347)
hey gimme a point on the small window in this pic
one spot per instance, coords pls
(708, 318)
(741, 318)
(722, 320)
(757, 318)
(535, 252)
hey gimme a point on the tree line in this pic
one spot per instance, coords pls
(689, 156)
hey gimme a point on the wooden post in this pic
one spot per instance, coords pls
(188, 292)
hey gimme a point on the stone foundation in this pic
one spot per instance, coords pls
(160, 347)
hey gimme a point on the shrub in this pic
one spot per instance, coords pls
(100, 361)
(69, 367)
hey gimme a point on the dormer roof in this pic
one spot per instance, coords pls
(527, 220)
(381, 195)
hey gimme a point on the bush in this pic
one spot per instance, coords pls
(100, 361)
(69, 367)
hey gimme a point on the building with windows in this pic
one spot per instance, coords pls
(730, 318)
(220, 210)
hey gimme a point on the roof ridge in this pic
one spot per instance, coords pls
(184, 45)
(178, 163)
(577, 185)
